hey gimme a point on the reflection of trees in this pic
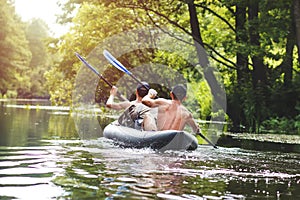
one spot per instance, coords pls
(153, 175)
(180, 179)
(62, 125)
(14, 127)
(27, 126)
(178, 184)
(80, 178)
(21, 127)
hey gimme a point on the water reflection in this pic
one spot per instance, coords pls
(41, 155)
(25, 172)
(26, 127)
(126, 173)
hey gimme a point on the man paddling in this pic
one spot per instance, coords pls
(172, 115)
(136, 114)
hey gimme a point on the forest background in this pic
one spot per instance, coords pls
(255, 45)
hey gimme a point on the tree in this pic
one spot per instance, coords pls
(85, 35)
(251, 42)
(37, 35)
(14, 53)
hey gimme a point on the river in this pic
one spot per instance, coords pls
(42, 157)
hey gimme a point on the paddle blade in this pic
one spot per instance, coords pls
(115, 62)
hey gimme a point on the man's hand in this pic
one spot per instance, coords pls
(113, 91)
(152, 93)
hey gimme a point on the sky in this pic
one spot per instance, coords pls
(43, 9)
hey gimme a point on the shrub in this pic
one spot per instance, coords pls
(281, 125)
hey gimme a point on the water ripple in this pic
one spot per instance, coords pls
(98, 169)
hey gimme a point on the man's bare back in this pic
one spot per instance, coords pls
(172, 115)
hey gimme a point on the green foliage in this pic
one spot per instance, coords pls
(23, 56)
(37, 35)
(14, 51)
(282, 125)
(199, 96)
(254, 57)
(87, 33)
(10, 94)
(58, 95)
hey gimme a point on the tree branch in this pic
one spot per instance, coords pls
(147, 9)
(219, 16)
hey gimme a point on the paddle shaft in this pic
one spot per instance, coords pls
(201, 135)
(100, 76)
(138, 81)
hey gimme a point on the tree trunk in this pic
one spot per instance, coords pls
(216, 90)
(235, 105)
(289, 97)
(288, 59)
(259, 71)
(296, 12)
(259, 74)
(241, 38)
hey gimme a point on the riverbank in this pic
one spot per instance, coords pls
(261, 142)
(276, 138)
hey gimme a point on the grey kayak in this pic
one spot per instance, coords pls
(157, 140)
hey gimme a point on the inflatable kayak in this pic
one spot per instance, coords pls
(157, 140)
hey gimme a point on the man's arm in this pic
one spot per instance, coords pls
(192, 123)
(149, 100)
(116, 106)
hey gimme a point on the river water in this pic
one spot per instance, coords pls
(42, 157)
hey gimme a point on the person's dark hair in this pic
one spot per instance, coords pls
(179, 92)
(143, 89)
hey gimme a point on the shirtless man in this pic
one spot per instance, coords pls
(172, 115)
(138, 112)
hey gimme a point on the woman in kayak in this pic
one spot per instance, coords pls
(136, 114)
(172, 115)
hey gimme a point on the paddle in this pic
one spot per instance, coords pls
(201, 135)
(100, 76)
(120, 66)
